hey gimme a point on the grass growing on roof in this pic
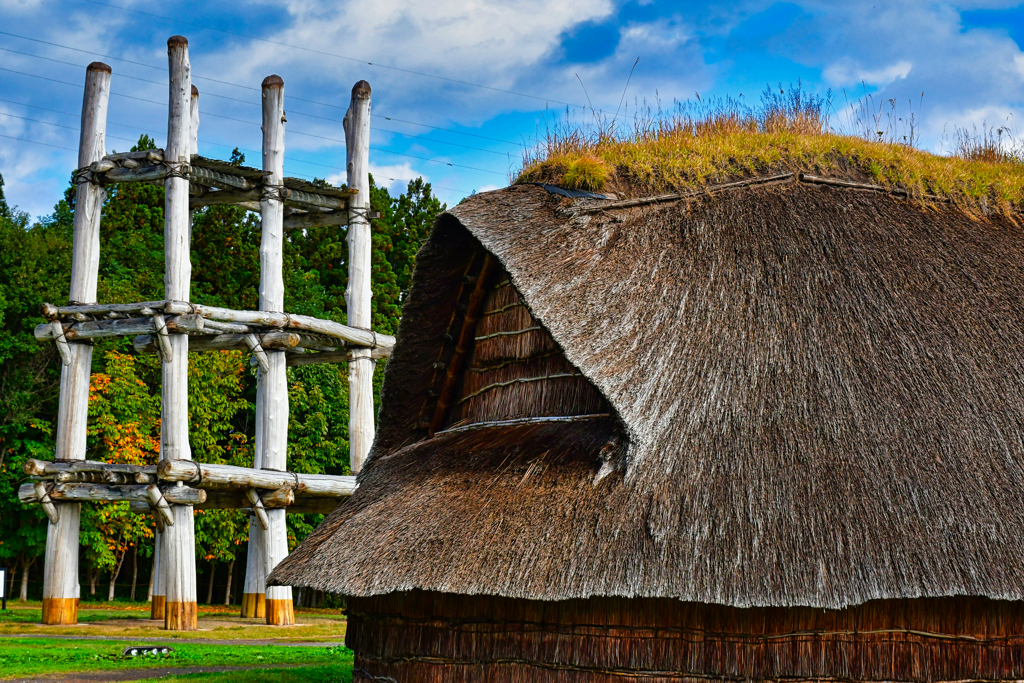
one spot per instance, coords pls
(702, 144)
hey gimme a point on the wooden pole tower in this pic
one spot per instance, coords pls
(175, 326)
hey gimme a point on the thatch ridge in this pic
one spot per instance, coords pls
(819, 394)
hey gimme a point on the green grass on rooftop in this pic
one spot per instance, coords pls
(723, 141)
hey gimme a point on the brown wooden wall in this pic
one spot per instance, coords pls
(515, 369)
(433, 637)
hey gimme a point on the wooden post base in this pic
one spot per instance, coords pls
(254, 605)
(60, 611)
(181, 616)
(156, 607)
(280, 613)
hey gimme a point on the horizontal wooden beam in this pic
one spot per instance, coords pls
(181, 495)
(354, 336)
(50, 311)
(300, 197)
(231, 478)
(136, 175)
(224, 197)
(315, 219)
(45, 468)
(319, 357)
(123, 327)
(231, 500)
(223, 342)
(142, 154)
(211, 178)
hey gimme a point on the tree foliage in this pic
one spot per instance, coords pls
(124, 410)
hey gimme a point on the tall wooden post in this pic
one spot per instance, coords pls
(157, 606)
(178, 558)
(60, 576)
(272, 386)
(357, 296)
(253, 595)
(158, 602)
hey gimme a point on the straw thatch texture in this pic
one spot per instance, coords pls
(435, 638)
(817, 399)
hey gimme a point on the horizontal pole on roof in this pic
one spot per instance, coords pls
(658, 199)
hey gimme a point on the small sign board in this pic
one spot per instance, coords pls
(147, 650)
(3, 587)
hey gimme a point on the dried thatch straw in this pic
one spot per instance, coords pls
(816, 398)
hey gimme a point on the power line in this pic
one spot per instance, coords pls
(249, 87)
(337, 56)
(254, 123)
(250, 102)
(205, 142)
(36, 142)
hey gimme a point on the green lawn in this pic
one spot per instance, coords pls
(333, 673)
(25, 657)
(131, 620)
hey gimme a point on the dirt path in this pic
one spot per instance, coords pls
(142, 640)
(143, 674)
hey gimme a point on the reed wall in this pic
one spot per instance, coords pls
(432, 637)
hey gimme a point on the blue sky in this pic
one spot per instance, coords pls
(460, 87)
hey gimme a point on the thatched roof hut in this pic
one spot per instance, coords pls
(770, 432)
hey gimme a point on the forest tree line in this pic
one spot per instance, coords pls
(124, 393)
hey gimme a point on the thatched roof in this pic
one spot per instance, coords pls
(818, 394)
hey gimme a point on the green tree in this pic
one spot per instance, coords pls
(124, 413)
(34, 263)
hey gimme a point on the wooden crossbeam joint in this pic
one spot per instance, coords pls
(257, 508)
(157, 501)
(163, 338)
(257, 351)
(44, 500)
(61, 341)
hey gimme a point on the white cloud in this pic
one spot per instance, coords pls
(394, 177)
(846, 73)
(496, 44)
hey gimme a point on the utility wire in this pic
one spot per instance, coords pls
(36, 142)
(249, 87)
(337, 56)
(251, 103)
(205, 142)
(254, 123)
